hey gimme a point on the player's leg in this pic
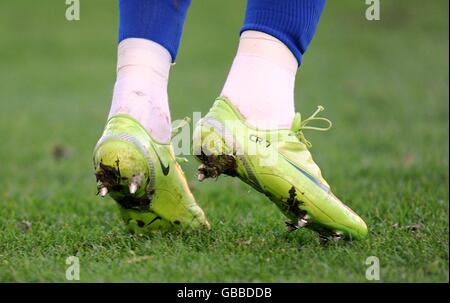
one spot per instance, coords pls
(149, 37)
(274, 37)
(134, 159)
(252, 130)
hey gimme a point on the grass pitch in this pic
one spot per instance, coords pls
(384, 85)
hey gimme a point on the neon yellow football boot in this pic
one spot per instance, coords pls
(278, 164)
(143, 176)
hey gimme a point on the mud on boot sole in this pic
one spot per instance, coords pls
(121, 170)
(215, 165)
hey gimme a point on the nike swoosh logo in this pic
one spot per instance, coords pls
(306, 174)
(165, 169)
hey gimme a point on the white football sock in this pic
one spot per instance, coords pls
(261, 81)
(141, 86)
